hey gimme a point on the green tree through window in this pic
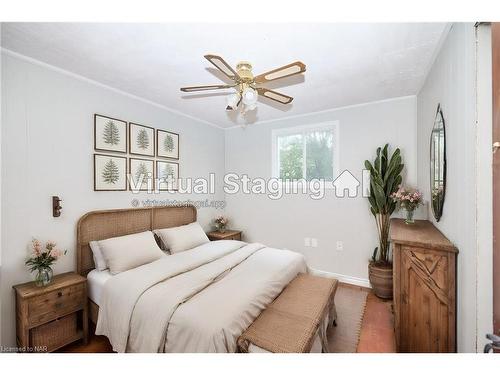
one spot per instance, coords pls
(306, 154)
(319, 155)
(290, 148)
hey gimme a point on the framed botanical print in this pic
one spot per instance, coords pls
(110, 173)
(167, 144)
(110, 134)
(168, 175)
(141, 139)
(141, 173)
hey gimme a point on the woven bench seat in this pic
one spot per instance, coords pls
(289, 324)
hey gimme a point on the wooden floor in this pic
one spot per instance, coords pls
(377, 332)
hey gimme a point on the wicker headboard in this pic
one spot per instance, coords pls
(99, 225)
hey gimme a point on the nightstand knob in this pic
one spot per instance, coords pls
(59, 294)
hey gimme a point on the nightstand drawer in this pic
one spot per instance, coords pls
(51, 305)
(227, 235)
(56, 333)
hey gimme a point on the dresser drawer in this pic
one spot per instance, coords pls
(54, 304)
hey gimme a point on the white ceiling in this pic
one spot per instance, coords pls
(346, 63)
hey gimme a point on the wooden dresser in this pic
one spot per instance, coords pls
(53, 316)
(424, 266)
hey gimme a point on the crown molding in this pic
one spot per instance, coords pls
(102, 85)
(179, 113)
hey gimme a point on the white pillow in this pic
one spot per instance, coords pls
(99, 261)
(131, 251)
(182, 238)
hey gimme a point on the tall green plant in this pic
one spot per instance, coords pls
(385, 177)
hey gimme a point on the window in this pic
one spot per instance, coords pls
(307, 152)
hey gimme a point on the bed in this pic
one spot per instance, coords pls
(210, 295)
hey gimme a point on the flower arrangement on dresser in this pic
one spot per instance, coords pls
(220, 223)
(408, 199)
(41, 259)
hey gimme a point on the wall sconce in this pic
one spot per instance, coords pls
(56, 206)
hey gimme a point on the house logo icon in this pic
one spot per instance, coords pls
(346, 181)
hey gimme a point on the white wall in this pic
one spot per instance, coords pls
(47, 148)
(451, 82)
(285, 222)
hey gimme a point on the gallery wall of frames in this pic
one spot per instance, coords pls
(150, 154)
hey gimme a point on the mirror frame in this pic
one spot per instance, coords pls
(437, 215)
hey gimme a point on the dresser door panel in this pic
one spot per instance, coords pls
(425, 303)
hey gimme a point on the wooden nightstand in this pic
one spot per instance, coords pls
(52, 316)
(227, 235)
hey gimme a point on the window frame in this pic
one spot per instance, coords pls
(303, 130)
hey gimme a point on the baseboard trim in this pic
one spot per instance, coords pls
(342, 278)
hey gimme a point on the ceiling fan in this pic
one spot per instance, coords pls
(246, 85)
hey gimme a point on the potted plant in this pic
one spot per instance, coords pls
(41, 260)
(385, 179)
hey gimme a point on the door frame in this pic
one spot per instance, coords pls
(495, 42)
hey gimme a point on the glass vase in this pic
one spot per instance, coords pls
(43, 276)
(221, 228)
(409, 217)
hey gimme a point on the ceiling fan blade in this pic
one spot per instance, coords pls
(273, 95)
(206, 88)
(296, 67)
(223, 66)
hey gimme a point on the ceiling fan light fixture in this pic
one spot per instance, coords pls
(232, 101)
(250, 96)
(251, 107)
(247, 86)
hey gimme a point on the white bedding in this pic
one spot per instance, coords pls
(209, 295)
(95, 283)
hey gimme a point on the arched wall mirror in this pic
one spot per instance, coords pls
(438, 164)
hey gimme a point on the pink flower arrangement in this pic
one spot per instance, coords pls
(221, 222)
(43, 257)
(409, 199)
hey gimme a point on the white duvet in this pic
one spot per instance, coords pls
(200, 300)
